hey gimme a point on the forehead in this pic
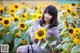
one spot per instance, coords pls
(47, 14)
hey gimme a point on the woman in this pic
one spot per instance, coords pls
(49, 21)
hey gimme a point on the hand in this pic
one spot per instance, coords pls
(43, 40)
(33, 37)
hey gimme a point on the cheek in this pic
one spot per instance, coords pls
(47, 19)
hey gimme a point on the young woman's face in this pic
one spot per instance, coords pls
(47, 17)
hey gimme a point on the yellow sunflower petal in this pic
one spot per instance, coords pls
(1, 10)
(16, 18)
(22, 26)
(40, 33)
(16, 6)
(6, 22)
(1, 19)
(65, 23)
(69, 10)
(25, 16)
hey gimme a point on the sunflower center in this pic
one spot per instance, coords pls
(12, 10)
(23, 16)
(77, 31)
(40, 33)
(0, 19)
(15, 19)
(70, 31)
(73, 4)
(12, 14)
(1, 11)
(6, 21)
(16, 6)
(68, 10)
(22, 25)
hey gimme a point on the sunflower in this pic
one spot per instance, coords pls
(12, 11)
(69, 10)
(66, 5)
(77, 30)
(72, 25)
(72, 32)
(75, 13)
(18, 34)
(16, 6)
(5, 8)
(25, 16)
(12, 14)
(1, 10)
(22, 26)
(16, 18)
(65, 23)
(33, 15)
(77, 41)
(6, 21)
(38, 15)
(40, 34)
(1, 19)
(73, 4)
(37, 11)
(24, 41)
(7, 33)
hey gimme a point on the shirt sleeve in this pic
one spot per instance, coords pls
(22, 49)
(32, 28)
(31, 32)
(55, 33)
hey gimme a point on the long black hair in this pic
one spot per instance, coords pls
(52, 11)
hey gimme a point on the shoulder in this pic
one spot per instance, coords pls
(37, 21)
(54, 28)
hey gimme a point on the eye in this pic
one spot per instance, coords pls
(50, 14)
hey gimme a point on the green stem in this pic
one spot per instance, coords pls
(52, 49)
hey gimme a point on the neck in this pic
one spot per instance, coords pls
(47, 23)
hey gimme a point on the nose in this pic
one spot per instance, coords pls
(46, 15)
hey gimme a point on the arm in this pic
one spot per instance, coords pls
(55, 34)
(32, 29)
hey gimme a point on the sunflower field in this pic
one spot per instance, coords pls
(16, 18)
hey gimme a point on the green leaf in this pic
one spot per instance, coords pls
(25, 36)
(62, 31)
(44, 45)
(20, 11)
(1, 27)
(53, 43)
(14, 28)
(42, 51)
(66, 39)
(1, 41)
(75, 49)
(69, 19)
(61, 26)
(17, 41)
(64, 46)
(7, 38)
(51, 39)
(78, 24)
